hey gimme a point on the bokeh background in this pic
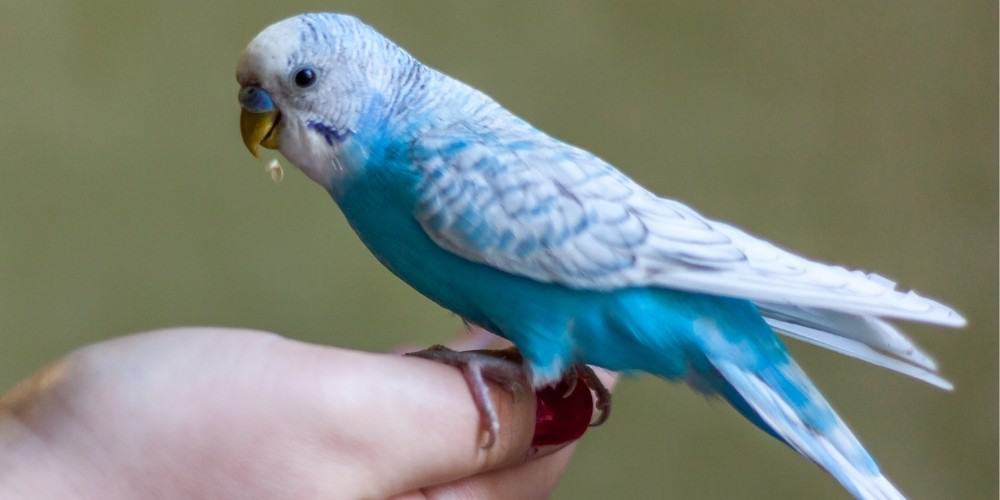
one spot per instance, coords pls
(863, 133)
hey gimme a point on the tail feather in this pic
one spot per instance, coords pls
(858, 350)
(873, 332)
(863, 337)
(781, 400)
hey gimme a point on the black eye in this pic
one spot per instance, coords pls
(305, 77)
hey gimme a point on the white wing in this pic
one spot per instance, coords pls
(536, 207)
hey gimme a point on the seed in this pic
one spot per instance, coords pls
(274, 169)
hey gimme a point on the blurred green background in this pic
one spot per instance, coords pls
(863, 133)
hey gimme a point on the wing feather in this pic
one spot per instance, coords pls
(533, 206)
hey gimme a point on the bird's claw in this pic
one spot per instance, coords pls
(602, 396)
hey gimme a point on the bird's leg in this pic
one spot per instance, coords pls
(502, 366)
(506, 368)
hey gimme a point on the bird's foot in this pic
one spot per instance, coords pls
(564, 410)
(503, 366)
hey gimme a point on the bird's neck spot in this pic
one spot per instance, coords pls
(329, 132)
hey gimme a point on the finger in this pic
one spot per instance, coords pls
(535, 479)
(340, 422)
(409, 423)
(468, 338)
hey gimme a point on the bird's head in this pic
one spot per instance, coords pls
(308, 84)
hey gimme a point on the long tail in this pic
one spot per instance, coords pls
(781, 400)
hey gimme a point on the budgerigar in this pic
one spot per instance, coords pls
(554, 249)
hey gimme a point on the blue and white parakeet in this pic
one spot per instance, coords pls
(556, 250)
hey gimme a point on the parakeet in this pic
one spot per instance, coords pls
(551, 247)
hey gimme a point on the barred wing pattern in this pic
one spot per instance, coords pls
(533, 206)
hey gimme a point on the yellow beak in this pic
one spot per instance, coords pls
(259, 129)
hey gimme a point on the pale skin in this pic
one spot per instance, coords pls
(222, 413)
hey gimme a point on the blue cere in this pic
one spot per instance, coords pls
(256, 100)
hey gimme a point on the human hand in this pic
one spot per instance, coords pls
(221, 413)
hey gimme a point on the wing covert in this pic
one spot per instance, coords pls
(533, 206)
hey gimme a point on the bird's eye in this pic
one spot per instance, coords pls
(305, 77)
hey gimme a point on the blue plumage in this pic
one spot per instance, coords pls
(553, 248)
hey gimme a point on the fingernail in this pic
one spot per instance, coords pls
(561, 418)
